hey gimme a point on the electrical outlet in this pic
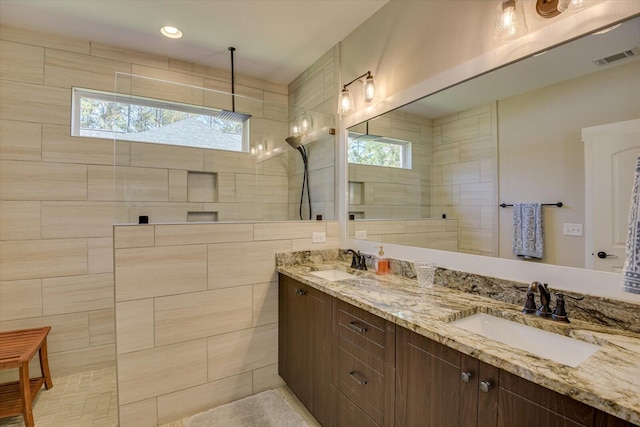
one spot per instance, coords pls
(319, 237)
(572, 229)
(361, 234)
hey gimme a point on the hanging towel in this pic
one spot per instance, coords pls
(631, 269)
(528, 230)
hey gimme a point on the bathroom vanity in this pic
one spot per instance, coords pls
(380, 351)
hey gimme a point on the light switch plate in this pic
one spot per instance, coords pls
(572, 229)
(361, 234)
(319, 237)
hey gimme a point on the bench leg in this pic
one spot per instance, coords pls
(44, 365)
(25, 393)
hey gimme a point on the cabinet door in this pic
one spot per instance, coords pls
(429, 388)
(304, 345)
(526, 404)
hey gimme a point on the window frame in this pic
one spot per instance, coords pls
(406, 158)
(78, 93)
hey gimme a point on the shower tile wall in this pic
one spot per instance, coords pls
(316, 90)
(393, 192)
(197, 325)
(57, 195)
(465, 176)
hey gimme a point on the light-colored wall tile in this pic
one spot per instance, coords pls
(134, 324)
(20, 62)
(77, 293)
(157, 271)
(59, 146)
(226, 187)
(265, 303)
(126, 55)
(81, 360)
(221, 161)
(68, 331)
(131, 184)
(464, 128)
(20, 140)
(100, 255)
(261, 188)
(35, 103)
(66, 69)
(166, 156)
(139, 414)
(102, 327)
(287, 230)
(242, 351)
(35, 38)
(309, 245)
(177, 185)
(42, 181)
(390, 194)
(162, 84)
(228, 262)
(19, 220)
(30, 259)
(61, 220)
(202, 314)
(202, 187)
(266, 378)
(205, 233)
(174, 406)
(20, 299)
(382, 227)
(157, 371)
(134, 236)
(426, 225)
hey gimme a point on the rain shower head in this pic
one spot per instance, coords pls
(233, 115)
(294, 141)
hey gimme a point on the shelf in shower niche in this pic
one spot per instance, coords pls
(202, 216)
(202, 187)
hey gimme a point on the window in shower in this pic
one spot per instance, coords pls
(131, 118)
(373, 150)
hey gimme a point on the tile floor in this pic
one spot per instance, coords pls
(89, 399)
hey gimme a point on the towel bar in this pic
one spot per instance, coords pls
(559, 204)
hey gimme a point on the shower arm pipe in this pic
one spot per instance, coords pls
(233, 82)
(367, 74)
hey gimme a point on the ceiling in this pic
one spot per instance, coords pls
(276, 40)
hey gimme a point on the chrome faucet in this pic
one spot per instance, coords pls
(358, 261)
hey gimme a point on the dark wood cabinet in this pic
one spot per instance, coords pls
(439, 386)
(351, 368)
(363, 367)
(304, 352)
(431, 389)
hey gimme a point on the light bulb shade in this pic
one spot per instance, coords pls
(571, 5)
(510, 21)
(306, 123)
(345, 103)
(369, 89)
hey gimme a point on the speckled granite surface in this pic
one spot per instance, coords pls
(608, 380)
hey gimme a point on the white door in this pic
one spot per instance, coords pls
(611, 152)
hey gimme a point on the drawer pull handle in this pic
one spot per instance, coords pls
(355, 327)
(485, 386)
(357, 378)
(466, 376)
(301, 292)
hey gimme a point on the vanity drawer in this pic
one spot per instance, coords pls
(349, 415)
(373, 334)
(360, 382)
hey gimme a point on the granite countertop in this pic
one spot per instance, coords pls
(608, 380)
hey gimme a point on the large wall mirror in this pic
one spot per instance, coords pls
(434, 173)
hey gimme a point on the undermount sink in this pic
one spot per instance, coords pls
(545, 344)
(332, 275)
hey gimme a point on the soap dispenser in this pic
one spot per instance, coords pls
(382, 263)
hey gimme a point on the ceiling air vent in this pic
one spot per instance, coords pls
(617, 56)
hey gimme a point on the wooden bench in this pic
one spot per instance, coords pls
(17, 348)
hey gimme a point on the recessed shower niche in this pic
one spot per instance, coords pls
(202, 187)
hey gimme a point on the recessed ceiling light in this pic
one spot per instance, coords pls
(171, 32)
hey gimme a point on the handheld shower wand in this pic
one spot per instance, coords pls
(296, 142)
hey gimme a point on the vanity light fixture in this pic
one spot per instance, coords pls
(171, 32)
(510, 21)
(345, 101)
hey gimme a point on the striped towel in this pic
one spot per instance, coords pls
(528, 230)
(631, 269)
